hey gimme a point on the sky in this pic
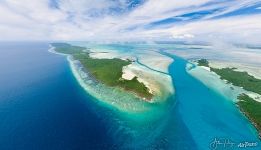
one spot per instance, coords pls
(210, 21)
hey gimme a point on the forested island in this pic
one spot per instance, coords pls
(107, 71)
(250, 107)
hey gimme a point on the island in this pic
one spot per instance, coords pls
(203, 62)
(106, 71)
(250, 107)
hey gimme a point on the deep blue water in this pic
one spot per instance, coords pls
(43, 107)
(207, 114)
(41, 104)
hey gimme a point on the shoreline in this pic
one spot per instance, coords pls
(147, 73)
(236, 91)
(239, 89)
(149, 78)
(251, 70)
(112, 96)
(250, 120)
(51, 50)
(79, 76)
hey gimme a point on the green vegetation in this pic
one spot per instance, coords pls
(67, 48)
(203, 62)
(251, 108)
(136, 86)
(107, 71)
(241, 79)
(237, 78)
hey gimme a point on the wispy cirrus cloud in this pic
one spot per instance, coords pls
(201, 20)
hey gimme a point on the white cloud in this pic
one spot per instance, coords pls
(240, 29)
(183, 36)
(39, 10)
(96, 20)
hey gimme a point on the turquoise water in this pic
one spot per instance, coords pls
(207, 114)
(43, 107)
(191, 119)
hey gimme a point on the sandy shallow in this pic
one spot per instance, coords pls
(158, 83)
(213, 81)
(252, 70)
(155, 76)
(155, 60)
(127, 73)
(150, 58)
(101, 54)
(226, 53)
(115, 97)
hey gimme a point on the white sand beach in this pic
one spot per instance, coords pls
(158, 83)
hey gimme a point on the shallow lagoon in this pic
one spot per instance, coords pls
(207, 113)
(43, 107)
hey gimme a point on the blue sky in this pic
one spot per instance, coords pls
(231, 21)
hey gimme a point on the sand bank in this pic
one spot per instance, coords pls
(159, 84)
(155, 60)
(115, 97)
(212, 80)
(252, 70)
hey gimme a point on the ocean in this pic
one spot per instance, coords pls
(43, 107)
(41, 104)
